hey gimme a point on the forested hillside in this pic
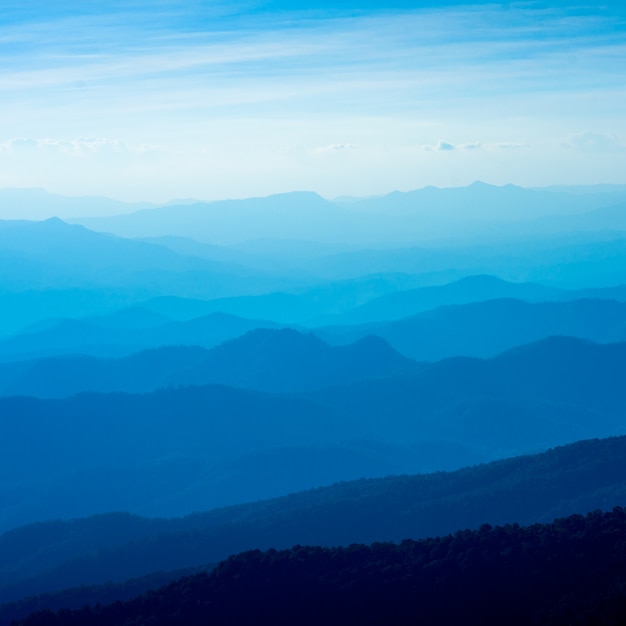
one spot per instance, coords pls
(572, 570)
(57, 555)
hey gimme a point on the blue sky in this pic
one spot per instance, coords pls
(152, 101)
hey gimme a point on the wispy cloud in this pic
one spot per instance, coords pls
(591, 141)
(253, 84)
(445, 146)
(335, 147)
(480, 51)
(80, 147)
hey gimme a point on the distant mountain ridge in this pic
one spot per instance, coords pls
(54, 256)
(38, 204)
(477, 328)
(285, 360)
(374, 298)
(106, 338)
(483, 202)
(266, 356)
(484, 329)
(425, 214)
(478, 288)
(291, 215)
(263, 359)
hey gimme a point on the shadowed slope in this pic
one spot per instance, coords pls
(543, 574)
(168, 451)
(572, 479)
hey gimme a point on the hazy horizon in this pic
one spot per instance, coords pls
(24, 199)
(147, 102)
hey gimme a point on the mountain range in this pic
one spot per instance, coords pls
(479, 328)
(484, 329)
(262, 359)
(182, 383)
(48, 556)
(124, 333)
(180, 449)
(416, 216)
(543, 574)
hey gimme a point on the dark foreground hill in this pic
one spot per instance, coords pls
(54, 555)
(570, 571)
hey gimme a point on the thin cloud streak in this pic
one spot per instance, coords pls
(405, 42)
(481, 77)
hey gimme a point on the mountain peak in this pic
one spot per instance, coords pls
(277, 339)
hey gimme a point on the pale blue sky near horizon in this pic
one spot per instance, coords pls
(152, 101)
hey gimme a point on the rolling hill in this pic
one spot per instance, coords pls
(581, 477)
(39, 260)
(484, 329)
(279, 360)
(288, 361)
(117, 335)
(570, 570)
(181, 449)
(405, 303)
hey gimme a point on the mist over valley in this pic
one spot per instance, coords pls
(312, 313)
